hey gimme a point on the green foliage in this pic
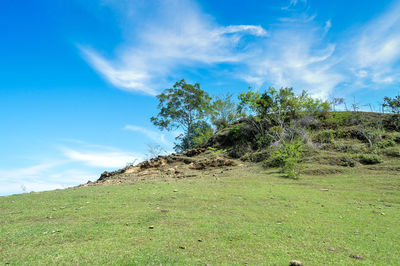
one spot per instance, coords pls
(202, 134)
(263, 141)
(282, 103)
(249, 102)
(372, 135)
(224, 112)
(395, 136)
(385, 143)
(370, 159)
(236, 131)
(182, 107)
(257, 156)
(335, 119)
(288, 157)
(392, 152)
(326, 136)
(393, 104)
(347, 161)
(215, 151)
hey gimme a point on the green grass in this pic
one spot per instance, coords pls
(246, 215)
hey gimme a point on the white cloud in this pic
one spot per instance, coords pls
(294, 3)
(130, 79)
(178, 35)
(27, 172)
(297, 50)
(75, 165)
(153, 135)
(42, 177)
(375, 53)
(104, 159)
(296, 55)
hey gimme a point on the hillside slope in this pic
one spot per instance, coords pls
(221, 204)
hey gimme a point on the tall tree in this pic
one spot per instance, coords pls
(182, 107)
(225, 111)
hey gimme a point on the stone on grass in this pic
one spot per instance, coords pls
(358, 257)
(295, 263)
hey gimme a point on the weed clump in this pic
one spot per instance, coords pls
(392, 152)
(370, 159)
(325, 136)
(287, 157)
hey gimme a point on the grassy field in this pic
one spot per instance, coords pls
(243, 215)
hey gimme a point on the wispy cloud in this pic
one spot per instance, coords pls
(297, 55)
(297, 51)
(42, 177)
(104, 159)
(153, 135)
(376, 50)
(76, 162)
(179, 35)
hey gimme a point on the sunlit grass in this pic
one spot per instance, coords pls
(245, 215)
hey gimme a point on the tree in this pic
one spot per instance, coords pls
(224, 111)
(182, 107)
(393, 104)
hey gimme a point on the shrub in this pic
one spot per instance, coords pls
(236, 131)
(325, 136)
(347, 161)
(287, 157)
(215, 151)
(394, 136)
(392, 152)
(338, 118)
(370, 159)
(350, 148)
(256, 157)
(386, 143)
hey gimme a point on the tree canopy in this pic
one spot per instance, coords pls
(182, 107)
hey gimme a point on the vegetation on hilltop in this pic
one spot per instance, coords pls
(278, 120)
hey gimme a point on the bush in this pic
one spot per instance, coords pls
(335, 119)
(386, 143)
(392, 136)
(347, 161)
(370, 159)
(392, 152)
(350, 148)
(287, 157)
(236, 131)
(215, 151)
(256, 157)
(325, 136)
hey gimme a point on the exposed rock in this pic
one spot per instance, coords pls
(295, 263)
(358, 257)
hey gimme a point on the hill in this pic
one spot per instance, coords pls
(225, 203)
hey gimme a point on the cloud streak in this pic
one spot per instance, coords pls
(296, 51)
(153, 135)
(181, 36)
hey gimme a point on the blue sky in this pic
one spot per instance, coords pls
(78, 78)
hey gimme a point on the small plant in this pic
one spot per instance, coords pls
(347, 161)
(392, 152)
(236, 131)
(386, 143)
(326, 136)
(288, 157)
(215, 151)
(370, 159)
